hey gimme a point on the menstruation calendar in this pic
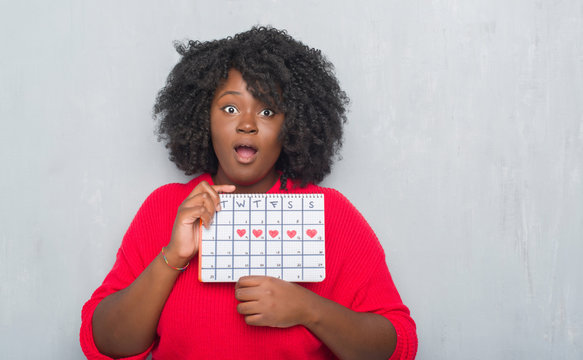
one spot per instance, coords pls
(279, 235)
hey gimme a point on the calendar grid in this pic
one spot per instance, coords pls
(216, 249)
(302, 238)
(249, 232)
(265, 232)
(280, 235)
(281, 231)
(232, 246)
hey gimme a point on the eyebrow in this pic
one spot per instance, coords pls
(229, 93)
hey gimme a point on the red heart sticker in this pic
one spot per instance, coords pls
(241, 232)
(273, 233)
(291, 233)
(257, 232)
(311, 232)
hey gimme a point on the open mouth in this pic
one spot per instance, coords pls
(245, 153)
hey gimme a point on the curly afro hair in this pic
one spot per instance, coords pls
(281, 72)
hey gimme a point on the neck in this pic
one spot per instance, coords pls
(262, 185)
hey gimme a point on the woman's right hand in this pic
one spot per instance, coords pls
(201, 204)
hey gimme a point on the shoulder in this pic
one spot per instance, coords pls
(338, 208)
(174, 193)
(345, 221)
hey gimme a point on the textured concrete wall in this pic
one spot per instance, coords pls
(464, 151)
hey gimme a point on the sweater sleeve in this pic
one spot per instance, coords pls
(118, 278)
(379, 295)
(364, 283)
(141, 243)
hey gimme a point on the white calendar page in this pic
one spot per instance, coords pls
(279, 235)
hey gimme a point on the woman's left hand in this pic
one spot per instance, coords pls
(267, 301)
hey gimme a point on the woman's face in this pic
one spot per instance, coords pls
(245, 136)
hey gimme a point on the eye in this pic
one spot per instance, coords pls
(267, 112)
(230, 109)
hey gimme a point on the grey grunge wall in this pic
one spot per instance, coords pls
(463, 150)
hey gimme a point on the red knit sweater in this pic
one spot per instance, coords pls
(200, 320)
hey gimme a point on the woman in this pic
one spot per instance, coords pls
(256, 113)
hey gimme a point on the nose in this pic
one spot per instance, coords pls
(247, 124)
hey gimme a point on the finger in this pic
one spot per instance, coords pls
(247, 294)
(255, 320)
(201, 188)
(221, 189)
(249, 281)
(189, 215)
(206, 218)
(197, 189)
(224, 188)
(248, 308)
(203, 199)
(212, 191)
(209, 203)
(211, 194)
(199, 198)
